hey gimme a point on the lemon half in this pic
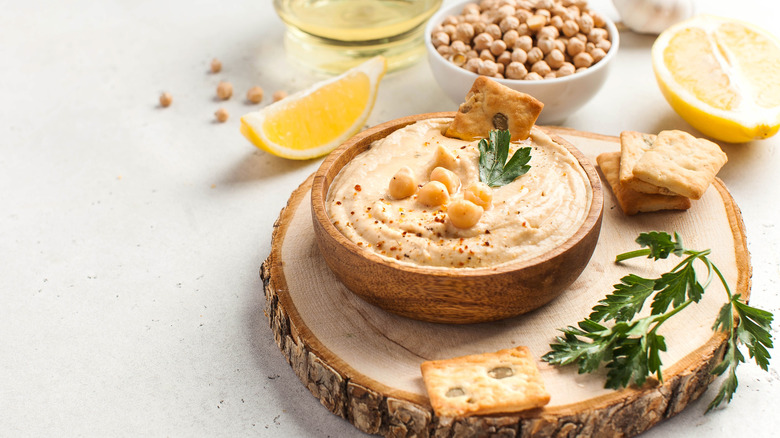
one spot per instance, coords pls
(314, 121)
(722, 76)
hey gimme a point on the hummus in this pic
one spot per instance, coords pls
(530, 216)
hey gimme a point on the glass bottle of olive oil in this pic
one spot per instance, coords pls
(334, 35)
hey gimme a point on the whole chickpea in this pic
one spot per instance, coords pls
(464, 32)
(221, 115)
(509, 23)
(479, 27)
(535, 55)
(575, 46)
(463, 213)
(598, 20)
(583, 59)
(597, 54)
(444, 50)
(446, 177)
(166, 99)
(523, 29)
(565, 70)
(497, 47)
(556, 22)
(518, 55)
(440, 39)
(585, 22)
(523, 15)
(433, 194)
(480, 194)
(450, 19)
(524, 43)
(485, 55)
(555, 59)
(541, 68)
(459, 46)
(403, 184)
(482, 41)
(570, 28)
(533, 76)
(488, 68)
(472, 54)
(504, 58)
(510, 37)
(471, 9)
(546, 45)
(604, 45)
(560, 44)
(547, 32)
(255, 94)
(516, 70)
(224, 90)
(472, 64)
(494, 31)
(449, 29)
(216, 65)
(444, 158)
(506, 11)
(278, 95)
(597, 34)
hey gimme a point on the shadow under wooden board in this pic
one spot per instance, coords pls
(363, 363)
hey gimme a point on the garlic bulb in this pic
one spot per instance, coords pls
(652, 16)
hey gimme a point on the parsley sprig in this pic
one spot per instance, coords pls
(631, 346)
(494, 170)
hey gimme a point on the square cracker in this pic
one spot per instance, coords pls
(632, 146)
(681, 163)
(504, 381)
(631, 201)
(490, 105)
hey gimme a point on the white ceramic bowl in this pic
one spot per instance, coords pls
(561, 96)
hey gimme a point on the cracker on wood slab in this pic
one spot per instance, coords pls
(504, 381)
(631, 201)
(632, 146)
(490, 105)
(681, 163)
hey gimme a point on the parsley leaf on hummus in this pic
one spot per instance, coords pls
(494, 170)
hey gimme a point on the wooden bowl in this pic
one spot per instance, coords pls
(457, 296)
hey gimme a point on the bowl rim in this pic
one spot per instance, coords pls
(451, 8)
(320, 187)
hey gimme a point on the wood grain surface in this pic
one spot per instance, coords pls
(362, 363)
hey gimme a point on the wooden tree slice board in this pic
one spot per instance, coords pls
(364, 363)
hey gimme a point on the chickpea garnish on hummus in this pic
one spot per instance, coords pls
(438, 193)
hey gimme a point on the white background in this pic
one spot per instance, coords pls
(131, 236)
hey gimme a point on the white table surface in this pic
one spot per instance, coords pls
(131, 236)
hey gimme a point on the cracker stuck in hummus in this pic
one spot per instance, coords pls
(502, 382)
(523, 219)
(490, 105)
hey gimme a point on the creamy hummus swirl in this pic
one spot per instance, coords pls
(530, 216)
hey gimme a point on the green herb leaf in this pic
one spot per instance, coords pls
(661, 244)
(625, 301)
(631, 348)
(673, 288)
(494, 170)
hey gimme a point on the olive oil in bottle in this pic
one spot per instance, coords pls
(333, 35)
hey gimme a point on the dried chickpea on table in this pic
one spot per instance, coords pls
(521, 39)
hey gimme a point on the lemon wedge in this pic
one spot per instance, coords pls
(314, 121)
(722, 76)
